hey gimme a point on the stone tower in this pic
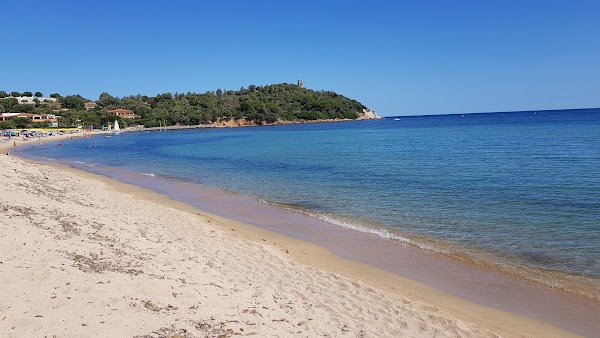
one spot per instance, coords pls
(300, 84)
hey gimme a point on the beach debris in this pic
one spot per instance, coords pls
(155, 308)
(215, 329)
(91, 264)
(170, 332)
(94, 263)
(252, 312)
(198, 329)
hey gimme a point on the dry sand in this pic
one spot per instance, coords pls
(84, 256)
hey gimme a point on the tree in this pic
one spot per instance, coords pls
(6, 125)
(15, 94)
(38, 94)
(42, 110)
(73, 102)
(106, 100)
(164, 97)
(219, 92)
(55, 96)
(3, 94)
(22, 122)
(22, 108)
(27, 94)
(8, 103)
(70, 119)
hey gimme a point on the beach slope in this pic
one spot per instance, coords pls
(82, 256)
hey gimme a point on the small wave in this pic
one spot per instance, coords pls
(90, 165)
(79, 162)
(149, 174)
(380, 232)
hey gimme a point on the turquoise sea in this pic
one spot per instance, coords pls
(519, 189)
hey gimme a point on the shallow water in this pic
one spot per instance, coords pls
(521, 189)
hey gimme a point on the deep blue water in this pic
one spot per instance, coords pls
(523, 186)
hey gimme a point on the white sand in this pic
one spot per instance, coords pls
(82, 256)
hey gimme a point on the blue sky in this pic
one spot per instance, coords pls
(396, 57)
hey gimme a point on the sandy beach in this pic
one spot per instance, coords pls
(6, 144)
(85, 256)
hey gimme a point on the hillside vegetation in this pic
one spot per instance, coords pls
(261, 104)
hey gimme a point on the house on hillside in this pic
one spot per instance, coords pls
(34, 117)
(122, 113)
(90, 105)
(8, 116)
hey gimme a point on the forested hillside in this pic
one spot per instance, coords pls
(262, 104)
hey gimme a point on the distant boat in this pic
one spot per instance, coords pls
(397, 119)
(116, 129)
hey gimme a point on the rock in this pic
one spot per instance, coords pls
(368, 114)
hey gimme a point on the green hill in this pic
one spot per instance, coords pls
(259, 104)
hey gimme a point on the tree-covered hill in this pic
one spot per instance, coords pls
(261, 104)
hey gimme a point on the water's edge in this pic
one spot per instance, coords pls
(579, 284)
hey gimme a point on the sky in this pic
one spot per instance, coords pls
(395, 57)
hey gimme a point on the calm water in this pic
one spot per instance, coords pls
(521, 187)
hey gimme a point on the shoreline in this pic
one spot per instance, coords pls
(483, 285)
(572, 283)
(324, 257)
(17, 141)
(444, 308)
(238, 123)
(560, 280)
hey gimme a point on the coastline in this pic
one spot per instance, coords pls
(241, 122)
(484, 285)
(16, 141)
(316, 257)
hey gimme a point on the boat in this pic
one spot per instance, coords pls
(116, 129)
(397, 119)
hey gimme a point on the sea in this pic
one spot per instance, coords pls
(516, 190)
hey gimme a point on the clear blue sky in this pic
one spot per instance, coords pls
(396, 57)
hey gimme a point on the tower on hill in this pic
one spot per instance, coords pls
(300, 84)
